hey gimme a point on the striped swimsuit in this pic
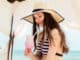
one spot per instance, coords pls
(42, 47)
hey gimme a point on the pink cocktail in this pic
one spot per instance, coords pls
(29, 44)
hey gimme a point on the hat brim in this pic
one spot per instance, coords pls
(54, 14)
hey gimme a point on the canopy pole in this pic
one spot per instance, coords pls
(11, 41)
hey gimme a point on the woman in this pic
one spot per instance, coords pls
(49, 41)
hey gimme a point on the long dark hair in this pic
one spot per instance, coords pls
(50, 23)
(12, 1)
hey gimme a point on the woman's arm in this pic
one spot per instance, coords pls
(54, 46)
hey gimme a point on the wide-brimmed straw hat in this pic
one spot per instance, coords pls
(43, 8)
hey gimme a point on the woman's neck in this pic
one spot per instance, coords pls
(41, 24)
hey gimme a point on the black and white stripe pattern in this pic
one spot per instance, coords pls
(43, 48)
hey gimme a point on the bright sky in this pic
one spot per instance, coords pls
(71, 25)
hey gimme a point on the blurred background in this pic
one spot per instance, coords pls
(69, 9)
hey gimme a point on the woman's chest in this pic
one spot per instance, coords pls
(43, 46)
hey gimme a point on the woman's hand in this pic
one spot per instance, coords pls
(52, 50)
(51, 53)
(28, 52)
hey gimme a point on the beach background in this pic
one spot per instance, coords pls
(69, 9)
(73, 55)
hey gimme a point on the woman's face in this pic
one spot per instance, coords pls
(39, 17)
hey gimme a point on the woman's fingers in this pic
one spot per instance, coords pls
(28, 52)
(52, 49)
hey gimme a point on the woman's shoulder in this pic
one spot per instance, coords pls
(54, 31)
(56, 34)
